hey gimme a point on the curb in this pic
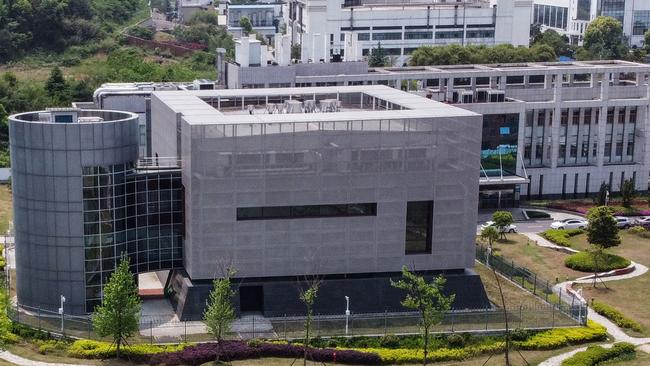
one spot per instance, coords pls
(615, 272)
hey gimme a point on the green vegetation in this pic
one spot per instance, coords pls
(491, 234)
(32, 26)
(561, 337)
(596, 355)
(204, 28)
(456, 54)
(427, 298)
(219, 312)
(85, 348)
(616, 316)
(584, 262)
(119, 314)
(378, 57)
(308, 297)
(502, 219)
(560, 236)
(604, 39)
(601, 229)
(628, 192)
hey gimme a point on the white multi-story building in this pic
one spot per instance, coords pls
(571, 17)
(329, 30)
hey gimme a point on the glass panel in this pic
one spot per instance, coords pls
(418, 227)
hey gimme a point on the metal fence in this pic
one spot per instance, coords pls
(535, 284)
(157, 330)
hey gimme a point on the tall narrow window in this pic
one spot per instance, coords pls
(419, 223)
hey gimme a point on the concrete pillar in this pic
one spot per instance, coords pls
(555, 123)
(548, 81)
(602, 122)
(449, 97)
(493, 82)
(593, 80)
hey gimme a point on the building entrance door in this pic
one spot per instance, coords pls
(251, 299)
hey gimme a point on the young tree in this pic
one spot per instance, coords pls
(646, 41)
(490, 233)
(219, 312)
(427, 298)
(119, 314)
(603, 192)
(308, 297)
(559, 42)
(57, 87)
(602, 233)
(628, 192)
(246, 25)
(502, 219)
(378, 57)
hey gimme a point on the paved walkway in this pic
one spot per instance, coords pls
(547, 244)
(20, 361)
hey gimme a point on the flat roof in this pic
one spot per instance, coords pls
(196, 111)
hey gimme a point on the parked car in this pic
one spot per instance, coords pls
(623, 222)
(569, 224)
(643, 221)
(508, 229)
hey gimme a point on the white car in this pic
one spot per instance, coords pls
(623, 222)
(643, 221)
(569, 224)
(508, 229)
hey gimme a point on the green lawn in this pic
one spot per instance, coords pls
(628, 296)
(547, 263)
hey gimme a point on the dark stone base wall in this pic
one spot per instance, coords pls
(371, 293)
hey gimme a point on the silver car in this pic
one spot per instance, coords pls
(623, 222)
(569, 224)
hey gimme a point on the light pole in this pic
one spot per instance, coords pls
(606, 197)
(61, 311)
(347, 313)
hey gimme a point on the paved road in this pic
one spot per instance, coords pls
(533, 226)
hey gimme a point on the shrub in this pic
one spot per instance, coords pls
(616, 316)
(88, 349)
(637, 230)
(238, 350)
(561, 337)
(561, 236)
(456, 341)
(141, 32)
(584, 262)
(519, 334)
(45, 347)
(595, 355)
(389, 341)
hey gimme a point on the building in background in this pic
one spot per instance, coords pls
(550, 130)
(332, 30)
(571, 17)
(266, 18)
(345, 183)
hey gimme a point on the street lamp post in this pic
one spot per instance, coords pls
(61, 312)
(347, 313)
(606, 197)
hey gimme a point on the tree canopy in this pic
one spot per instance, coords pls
(53, 25)
(460, 55)
(601, 229)
(604, 39)
(555, 40)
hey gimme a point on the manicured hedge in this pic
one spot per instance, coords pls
(239, 350)
(562, 337)
(402, 356)
(584, 262)
(616, 316)
(141, 353)
(595, 355)
(560, 236)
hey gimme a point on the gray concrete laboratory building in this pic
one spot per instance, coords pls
(347, 184)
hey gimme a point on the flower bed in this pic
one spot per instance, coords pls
(239, 350)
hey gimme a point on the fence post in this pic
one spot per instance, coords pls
(285, 326)
(487, 317)
(318, 325)
(512, 269)
(385, 321)
(535, 285)
(521, 316)
(185, 325)
(253, 326)
(39, 318)
(17, 313)
(89, 327)
(452, 321)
